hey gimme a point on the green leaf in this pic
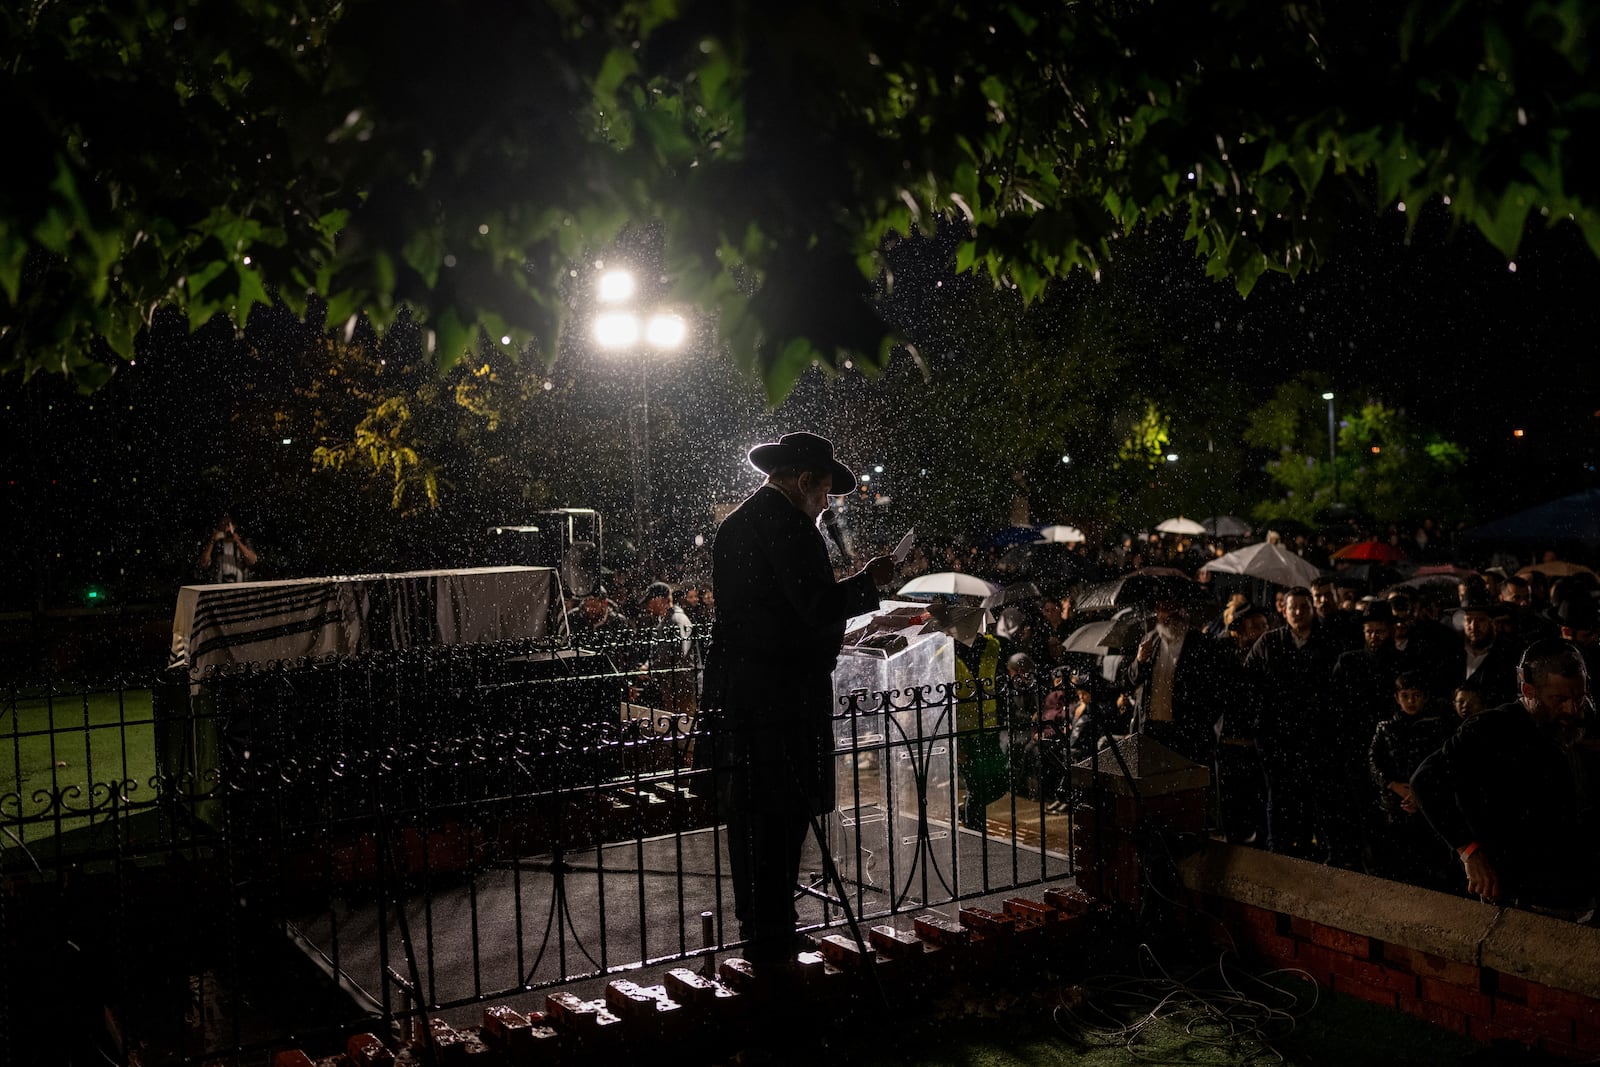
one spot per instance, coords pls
(13, 250)
(796, 355)
(122, 326)
(383, 270)
(1503, 225)
(54, 231)
(618, 66)
(205, 275)
(966, 255)
(451, 338)
(424, 253)
(342, 307)
(1277, 152)
(251, 292)
(667, 136)
(715, 74)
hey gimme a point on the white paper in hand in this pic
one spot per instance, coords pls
(903, 549)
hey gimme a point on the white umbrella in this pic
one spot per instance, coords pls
(1267, 561)
(1121, 631)
(953, 582)
(1181, 525)
(1066, 535)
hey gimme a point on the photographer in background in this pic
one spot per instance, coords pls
(226, 557)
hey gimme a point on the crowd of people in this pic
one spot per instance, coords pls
(1423, 733)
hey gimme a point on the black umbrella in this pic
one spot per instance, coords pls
(1016, 593)
(1049, 563)
(1287, 527)
(1142, 587)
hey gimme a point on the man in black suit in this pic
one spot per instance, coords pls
(1483, 658)
(1361, 695)
(768, 679)
(1182, 676)
(1289, 672)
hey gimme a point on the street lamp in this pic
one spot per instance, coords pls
(620, 328)
(1333, 459)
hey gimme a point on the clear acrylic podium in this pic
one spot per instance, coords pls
(890, 832)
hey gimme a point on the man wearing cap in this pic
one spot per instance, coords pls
(1244, 629)
(1512, 791)
(595, 614)
(780, 624)
(1580, 623)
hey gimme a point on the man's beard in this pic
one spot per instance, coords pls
(1481, 644)
(1172, 632)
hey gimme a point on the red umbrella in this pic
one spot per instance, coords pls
(1444, 570)
(1370, 552)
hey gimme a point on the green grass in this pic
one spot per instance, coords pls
(64, 754)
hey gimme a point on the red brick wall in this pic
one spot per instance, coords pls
(1477, 1001)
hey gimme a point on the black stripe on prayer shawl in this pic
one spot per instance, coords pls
(215, 611)
(268, 633)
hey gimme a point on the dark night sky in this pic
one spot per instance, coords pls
(1436, 322)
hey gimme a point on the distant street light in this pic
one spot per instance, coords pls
(622, 330)
(1333, 459)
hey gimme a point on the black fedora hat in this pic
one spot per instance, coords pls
(808, 452)
(1476, 601)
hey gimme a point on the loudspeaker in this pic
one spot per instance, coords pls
(580, 568)
(568, 539)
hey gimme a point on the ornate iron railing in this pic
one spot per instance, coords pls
(200, 867)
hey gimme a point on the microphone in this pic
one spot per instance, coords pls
(830, 524)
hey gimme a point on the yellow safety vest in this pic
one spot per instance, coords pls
(968, 706)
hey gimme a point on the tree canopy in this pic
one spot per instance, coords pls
(466, 162)
(1380, 463)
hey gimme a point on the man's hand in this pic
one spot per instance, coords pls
(1408, 803)
(1147, 648)
(1482, 879)
(882, 569)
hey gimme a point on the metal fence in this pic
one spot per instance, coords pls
(203, 869)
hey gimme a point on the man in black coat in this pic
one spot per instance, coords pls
(768, 679)
(1183, 678)
(1512, 791)
(1483, 658)
(1362, 695)
(1289, 672)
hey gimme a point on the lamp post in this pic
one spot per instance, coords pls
(1333, 459)
(620, 328)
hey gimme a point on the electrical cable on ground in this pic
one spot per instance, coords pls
(1231, 1017)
